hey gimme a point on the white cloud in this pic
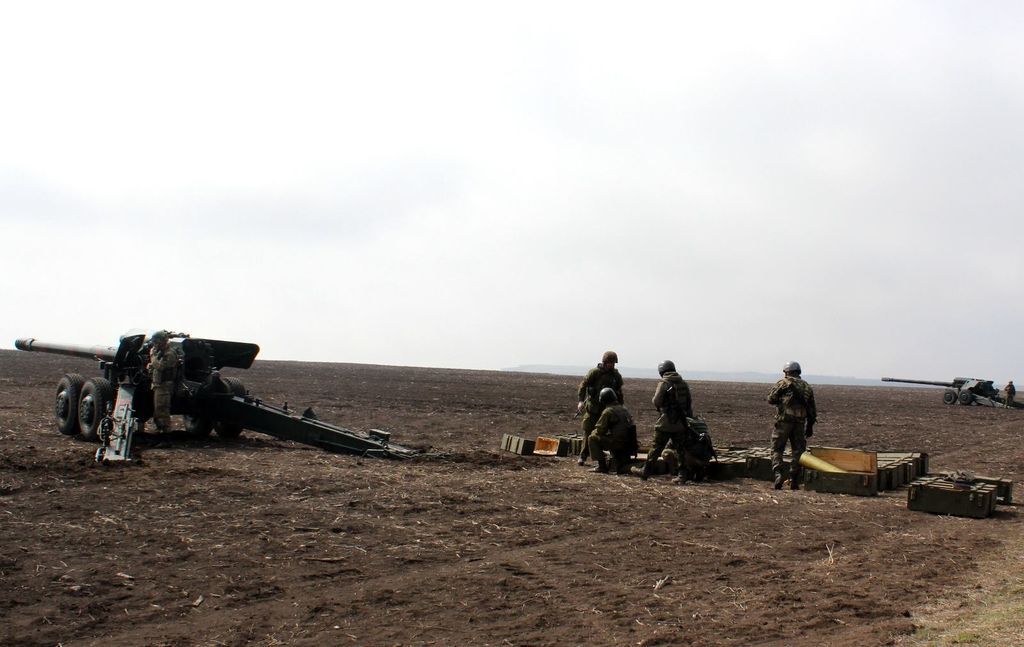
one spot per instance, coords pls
(456, 184)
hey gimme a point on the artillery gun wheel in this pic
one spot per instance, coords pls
(69, 389)
(92, 406)
(230, 429)
(198, 426)
(949, 397)
(966, 397)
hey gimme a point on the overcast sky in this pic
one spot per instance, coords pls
(730, 185)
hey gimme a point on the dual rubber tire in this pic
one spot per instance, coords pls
(65, 410)
(97, 397)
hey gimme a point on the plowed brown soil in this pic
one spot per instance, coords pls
(263, 542)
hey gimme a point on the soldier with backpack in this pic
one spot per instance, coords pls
(672, 399)
(794, 421)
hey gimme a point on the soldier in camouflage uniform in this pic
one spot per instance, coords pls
(1009, 393)
(672, 399)
(604, 376)
(614, 432)
(794, 401)
(163, 371)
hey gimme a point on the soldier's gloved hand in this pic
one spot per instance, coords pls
(579, 406)
(810, 430)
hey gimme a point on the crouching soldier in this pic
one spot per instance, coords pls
(672, 399)
(614, 432)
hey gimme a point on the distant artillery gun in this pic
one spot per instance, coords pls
(965, 391)
(114, 407)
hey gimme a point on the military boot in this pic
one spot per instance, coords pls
(794, 480)
(622, 461)
(602, 466)
(778, 480)
(582, 460)
(648, 469)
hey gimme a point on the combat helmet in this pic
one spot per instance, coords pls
(666, 366)
(607, 396)
(159, 337)
(791, 367)
(610, 356)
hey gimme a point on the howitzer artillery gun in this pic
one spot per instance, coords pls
(114, 407)
(963, 390)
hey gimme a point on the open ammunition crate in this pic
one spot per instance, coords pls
(548, 446)
(860, 475)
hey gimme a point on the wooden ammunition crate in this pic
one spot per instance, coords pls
(728, 467)
(547, 446)
(890, 477)
(760, 468)
(856, 483)
(860, 475)
(1004, 488)
(517, 444)
(575, 444)
(941, 496)
(850, 460)
(896, 469)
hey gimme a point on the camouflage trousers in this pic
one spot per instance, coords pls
(162, 405)
(792, 432)
(615, 444)
(677, 434)
(588, 424)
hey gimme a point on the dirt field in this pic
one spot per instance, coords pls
(262, 542)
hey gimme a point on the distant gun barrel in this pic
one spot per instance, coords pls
(948, 385)
(105, 353)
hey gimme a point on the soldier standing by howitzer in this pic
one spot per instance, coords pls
(163, 372)
(614, 432)
(794, 401)
(1009, 393)
(603, 376)
(672, 399)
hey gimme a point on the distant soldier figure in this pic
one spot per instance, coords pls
(1009, 393)
(163, 371)
(794, 401)
(603, 376)
(615, 432)
(672, 399)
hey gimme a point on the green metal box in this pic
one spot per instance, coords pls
(942, 496)
(1004, 488)
(517, 444)
(727, 467)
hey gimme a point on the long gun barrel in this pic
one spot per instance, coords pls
(89, 352)
(949, 385)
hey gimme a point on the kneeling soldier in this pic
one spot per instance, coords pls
(614, 432)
